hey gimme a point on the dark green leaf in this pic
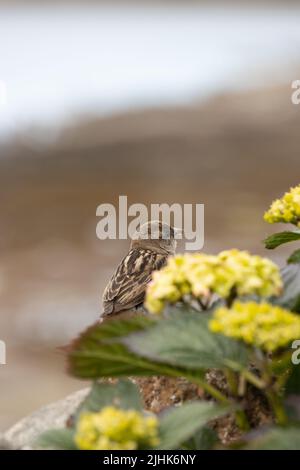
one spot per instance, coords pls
(182, 422)
(123, 394)
(280, 238)
(293, 382)
(99, 352)
(185, 340)
(290, 298)
(61, 439)
(295, 257)
(282, 364)
(277, 438)
(204, 439)
(292, 408)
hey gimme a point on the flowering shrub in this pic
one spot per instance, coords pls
(101, 425)
(286, 209)
(232, 272)
(116, 429)
(249, 340)
(263, 325)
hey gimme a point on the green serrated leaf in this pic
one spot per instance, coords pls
(280, 238)
(100, 352)
(185, 340)
(204, 439)
(290, 298)
(97, 352)
(295, 257)
(180, 423)
(123, 394)
(62, 439)
(277, 438)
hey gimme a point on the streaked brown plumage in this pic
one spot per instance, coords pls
(126, 289)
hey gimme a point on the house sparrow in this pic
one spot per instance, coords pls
(149, 250)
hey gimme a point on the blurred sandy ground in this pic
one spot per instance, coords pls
(234, 154)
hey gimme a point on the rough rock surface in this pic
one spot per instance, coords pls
(23, 434)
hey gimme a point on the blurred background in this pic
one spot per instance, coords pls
(185, 101)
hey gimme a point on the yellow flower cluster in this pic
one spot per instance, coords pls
(200, 275)
(286, 209)
(262, 325)
(116, 429)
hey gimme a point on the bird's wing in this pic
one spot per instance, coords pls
(126, 288)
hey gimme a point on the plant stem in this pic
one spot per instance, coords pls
(242, 420)
(277, 407)
(242, 386)
(232, 381)
(253, 379)
(272, 393)
(214, 392)
(231, 298)
(240, 415)
(249, 376)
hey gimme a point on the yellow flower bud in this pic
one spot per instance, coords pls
(286, 209)
(202, 275)
(262, 325)
(116, 429)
